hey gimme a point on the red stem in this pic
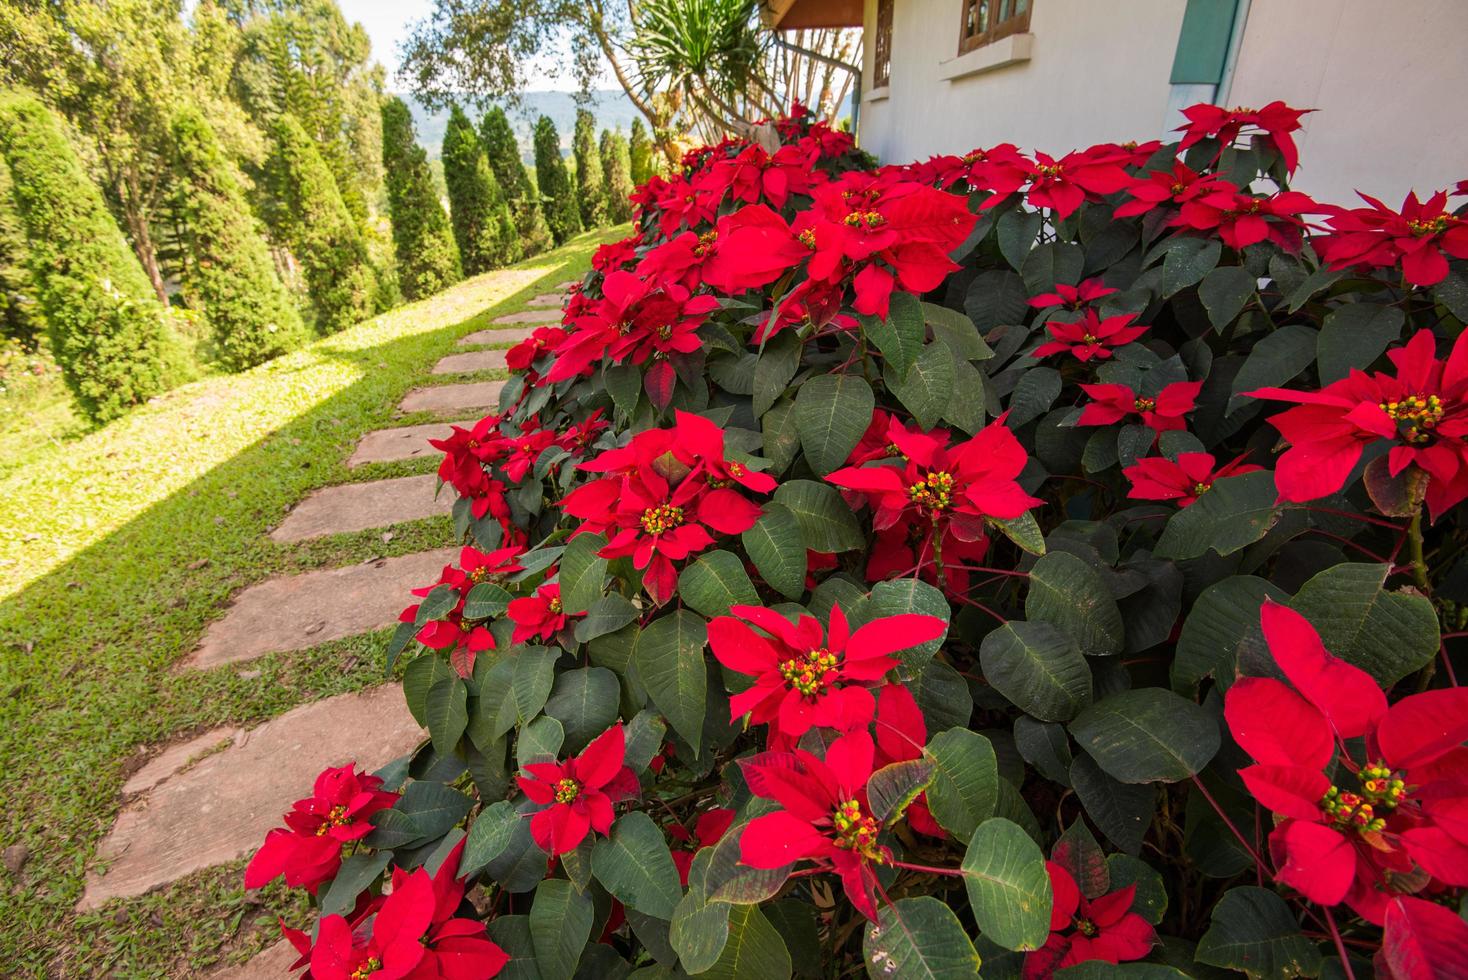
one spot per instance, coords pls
(1258, 861)
(1340, 947)
(927, 869)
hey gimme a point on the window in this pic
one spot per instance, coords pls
(882, 53)
(985, 21)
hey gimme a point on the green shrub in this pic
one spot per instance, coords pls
(556, 193)
(20, 319)
(502, 151)
(428, 259)
(483, 226)
(591, 189)
(640, 148)
(307, 213)
(105, 326)
(229, 273)
(616, 163)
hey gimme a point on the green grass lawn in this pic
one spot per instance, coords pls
(119, 545)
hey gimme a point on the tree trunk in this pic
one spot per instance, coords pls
(141, 237)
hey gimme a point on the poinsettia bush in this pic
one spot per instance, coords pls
(1003, 563)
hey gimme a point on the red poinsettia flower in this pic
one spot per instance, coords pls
(578, 793)
(824, 815)
(464, 638)
(539, 615)
(806, 677)
(754, 247)
(708, 830)
(524, 450)
(1000, 170)
(1182, 481)
(1276, 122)
(1421, 940)
(1378, 821)
(1073, 297)
(308, 850)
(1063, 185)
(1422, 411)
(1162, 412)
(527, 351)
(901, 734)
(1176, 187)
(1241, 220)
(1090, 336)
(1081, 929)
(1420, 237)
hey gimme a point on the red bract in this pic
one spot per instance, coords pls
(1158, 187)
(1420, 237)
(824, 815)
(1073, 297)
(1000, 170)
(1352, 839)
(1162, 413)
(1063, 185)
(1276, 121)
(578, 793)
(464, 638)
(1182, 481)
(1241, 220)
(307, 851)
(1082, 929)
(1422, 410)
(1090, 336)
(754, 247)
(901, 734)
(527, 351)
(707, 831)
(805, 677)
(539, 615)
(1422, 941)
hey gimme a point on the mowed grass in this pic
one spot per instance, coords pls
(118, 546)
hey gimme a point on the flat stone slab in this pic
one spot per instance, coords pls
(271, 963)
(454, 398)
(548, 299)
(511, 336)
(530, 316)
(403, 442)
(176, 758)
(220, 809)
(359, 506)
(306, 610)
(569, 283)
(471, 362)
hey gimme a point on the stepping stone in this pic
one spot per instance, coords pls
(548, 299)
(175, 758)
(453, 398)
(563, 286)
(511, 336)
(530, 316)
(471, 362)
(306, 610)
(403, 442)
(271, 963)
(219, 810)
(358, 506)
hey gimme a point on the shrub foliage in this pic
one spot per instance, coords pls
(503, 152)
(557, 193)
(591, 183)
(428, 258)
(483, 227)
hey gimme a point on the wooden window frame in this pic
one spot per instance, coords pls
(882, 49)
(1015, 23)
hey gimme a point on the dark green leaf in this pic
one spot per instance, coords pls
(894, 786)
(585, 702)
(1024, 531)
(927, 388)
(831, 413)
(1008, 887)
(1274, 360)
(777, 364)
(489, 835)
(1255, 932)
(1235, 513)
(965, 783)
(1052, 263)
(777, 548)
(1016, 232)
(634, 864)
(355, 876)
(535, 672)
(1224, 620)
(996, 298)
(670, 663)
(1147, 735)
(909, 595)
(899, 337)
(582, 572)
(1188, 261)
(1355, 335)
(754, 949)
(1224, 291)
(1122, 811)
(606, 615)
(714, 582)
(957, 331)
(560, 925)
(826, 522)
(1038, 668)
(486, 600)
(1068, 592)
(1033, 395)
(447, 711)
(1388, 634)
(921, 939)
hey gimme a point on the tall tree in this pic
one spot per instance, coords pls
(230, 276)
(483, 226)
(428, 259)
(105, 326)
(557, 195)
(502, 150)
(20, 317)
(640, 148)
(306, 211)
(591, 191)
(616, 163)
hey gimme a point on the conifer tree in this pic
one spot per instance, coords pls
(640, 148)
(105, 325)
(229, 273)
(557, 195)
(617, 165)
(591, 191)
(20, 317)
(502, 151)
(306, 211)
(428, 259)
(483, 226)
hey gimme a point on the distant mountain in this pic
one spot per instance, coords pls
(611, 107)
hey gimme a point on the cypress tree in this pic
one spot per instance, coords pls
(428, 259)
(20, 319)
(617, 165)
(483, 226)
(556, 193)
(104, 322)
(502, 151)
(591, 191)
(641, 154)
(307, 211)
(229, 272)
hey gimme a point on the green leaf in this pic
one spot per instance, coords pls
(996, 298)
(1016, 232)
(781, 440)
(927, 388)
(1008, 887)
(777, 364)
(1147, 735)
(539, 741)
(1224, 621)
(1235, 513)
(1274, 360)
(1122, 811)
(1387, 634)
(965, 785)
(1052, 263)
(897, 597)
(1224, 291)
(831, 413)
(634, 864)
(1038, 668)
(1036, 391)
(486, 600)
(355, 876)
(899, 337)
(1024, 531)
(754, 949)
(437, 604)
(448, 713)
(1254, 931)
(606, 615)
(957, 331)
(582, 572)
(714, 582)
(1355, 335)
(624, 384)
(729, 879)
(560, 925)
(1188, 261)
(402, 635)
(919, 939)
(1068, 592)
(585, 702)
(489, 835)
(826, 523)
(777, 548)
(699, 932)
(894, 786)
(670, 663)
(535, 673)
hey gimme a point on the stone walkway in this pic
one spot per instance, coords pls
(210, 799)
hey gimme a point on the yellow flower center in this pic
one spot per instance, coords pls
(1416, 415)
(865, 219)
(1145, 404)
(555, 605)
(567, 790)
(1358, 811)
(808, 674)
(934, 492)
(479, 575)
(1088, 338)
(663, 517)
(855, 831)
(665, 331)
(1086, 927)
(736, 469)
(808, 239)
(1051, 170)
(335, 817)
(705, 242)
(368, 967)
(1421, 227)
(1201, 488)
